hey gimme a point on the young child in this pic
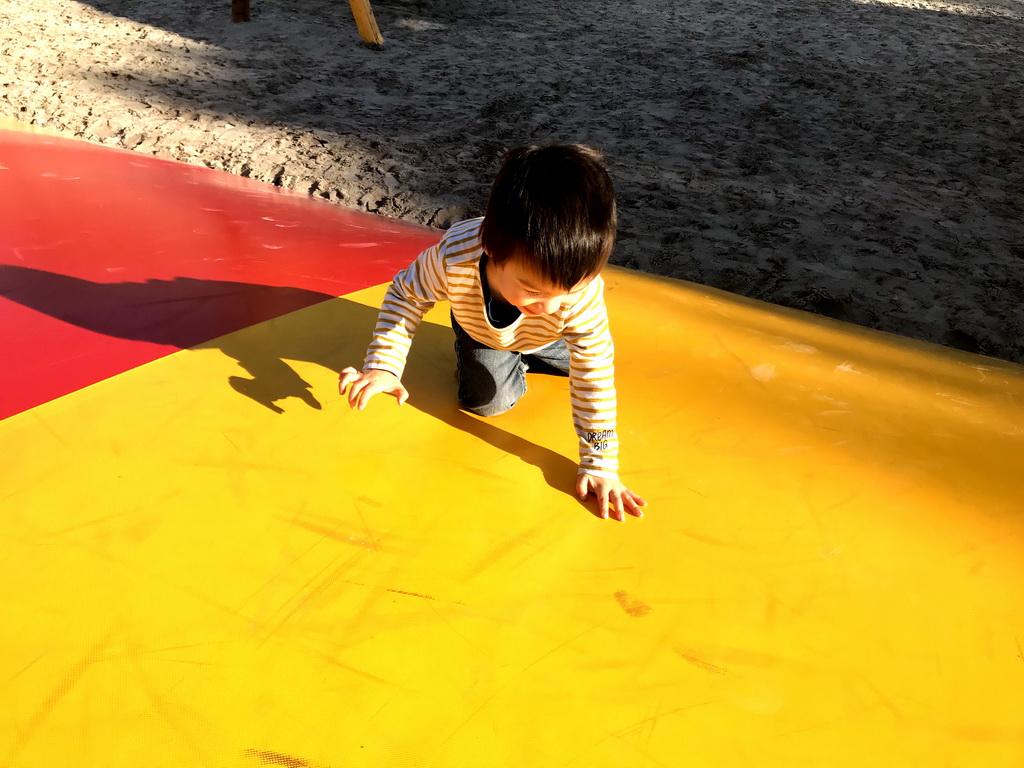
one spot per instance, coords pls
(525, 289)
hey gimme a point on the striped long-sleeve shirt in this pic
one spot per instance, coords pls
(451, 271)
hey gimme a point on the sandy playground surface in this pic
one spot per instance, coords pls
(859, 159)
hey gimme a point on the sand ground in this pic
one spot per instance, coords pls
(861, 160)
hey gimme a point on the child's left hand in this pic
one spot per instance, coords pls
(610, 494)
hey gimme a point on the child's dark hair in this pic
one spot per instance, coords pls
(553, 206)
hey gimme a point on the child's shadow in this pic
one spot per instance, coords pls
(334, 333)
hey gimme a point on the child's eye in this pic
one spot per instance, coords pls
(533, 293)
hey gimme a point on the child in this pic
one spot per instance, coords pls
(524, 287)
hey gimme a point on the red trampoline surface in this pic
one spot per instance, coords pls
(110, 259)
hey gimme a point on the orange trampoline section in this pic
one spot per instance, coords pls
(208, 559)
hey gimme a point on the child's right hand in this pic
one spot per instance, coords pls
(362, 385)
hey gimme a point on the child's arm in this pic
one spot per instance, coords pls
(413, 291)
(592, 389)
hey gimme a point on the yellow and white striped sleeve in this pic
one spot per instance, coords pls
(413, 291)
(592, 382)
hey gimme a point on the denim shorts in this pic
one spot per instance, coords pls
(491, 381)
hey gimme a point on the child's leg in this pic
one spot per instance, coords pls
(554, 356)
(490, 381)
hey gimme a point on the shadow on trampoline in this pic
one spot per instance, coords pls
(188, 313)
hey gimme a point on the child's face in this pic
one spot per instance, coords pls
(527, 291)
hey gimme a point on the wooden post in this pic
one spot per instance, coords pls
(367, 24)
(361, 10)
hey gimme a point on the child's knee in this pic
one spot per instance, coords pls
(486, 395)
(494, 407)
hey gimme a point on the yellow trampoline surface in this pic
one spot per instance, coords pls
(207, 559)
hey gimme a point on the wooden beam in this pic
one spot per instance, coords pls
(361, 11)
(367, 24)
